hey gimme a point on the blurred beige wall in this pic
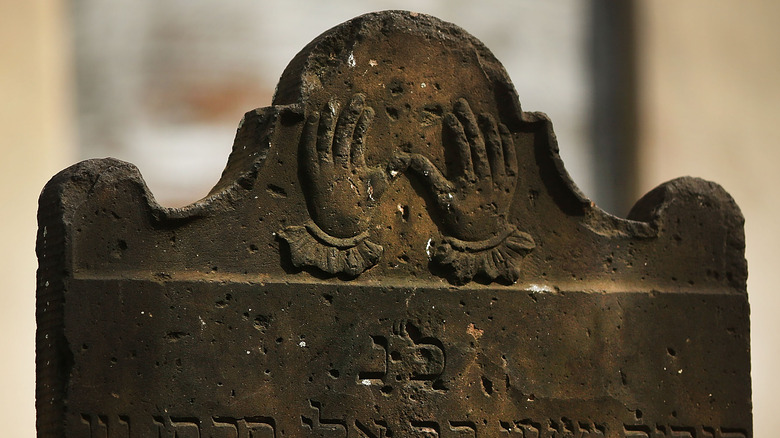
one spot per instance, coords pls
(36, 142)
(710, 107)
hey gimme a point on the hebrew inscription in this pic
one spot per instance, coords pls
(407, 355)
(682, 432)
(104, 426)
(393, 250)
(120, 426)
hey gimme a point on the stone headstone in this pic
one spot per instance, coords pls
(394, 250)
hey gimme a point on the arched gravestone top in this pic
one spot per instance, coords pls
(394, 249)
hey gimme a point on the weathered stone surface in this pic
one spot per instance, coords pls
(394, 249)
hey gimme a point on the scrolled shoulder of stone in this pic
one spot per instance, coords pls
(310, 246)
(495, 258)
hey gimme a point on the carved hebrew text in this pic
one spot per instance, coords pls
(407, 355)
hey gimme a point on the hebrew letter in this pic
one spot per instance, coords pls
(560, 429)
(185, 427)
(122, 428)
(97, 425)
(177, 427)
(327, 427)
(707, 432)
(530, 429)
(259, 427)
(426, 429)
(378, 431)
(463, 428)
(224, 427)
(591, 430)
(159, 424)
(428, 362)
(636, 431)
(422, 357)
(683, 432)
(505, 427)
(377, 369)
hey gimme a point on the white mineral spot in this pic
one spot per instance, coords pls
(142, 312)
(372, 62)
(302, 344)
(393, 173)
(538, 288)
(46, 284)
(247, 352)
(423, 85)
(366, 382)
(429, 249)
(679, 371)
(351, 60)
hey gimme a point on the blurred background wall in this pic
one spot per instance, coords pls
(640, 92)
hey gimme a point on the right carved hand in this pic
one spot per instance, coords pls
(472, 202)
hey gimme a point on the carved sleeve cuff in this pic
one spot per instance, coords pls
(497, 257)
(310, 246)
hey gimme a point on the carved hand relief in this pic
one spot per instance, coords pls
(473, 202)
(341, 191)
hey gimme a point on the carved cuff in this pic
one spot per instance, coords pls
(310, 246)
(497, 257)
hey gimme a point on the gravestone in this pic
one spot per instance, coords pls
(394, 250)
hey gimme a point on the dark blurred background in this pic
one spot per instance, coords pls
(640, 92)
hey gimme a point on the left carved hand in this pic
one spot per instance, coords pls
(340, 187)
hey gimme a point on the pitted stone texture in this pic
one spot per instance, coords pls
(394, 249)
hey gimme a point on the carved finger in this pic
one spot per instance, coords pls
(325, 132)
(510, 153)
(474, 138)
(358, 138)
(495, 151)
(431, 174)
(309, 145)
(345, 129)
(464, 151)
